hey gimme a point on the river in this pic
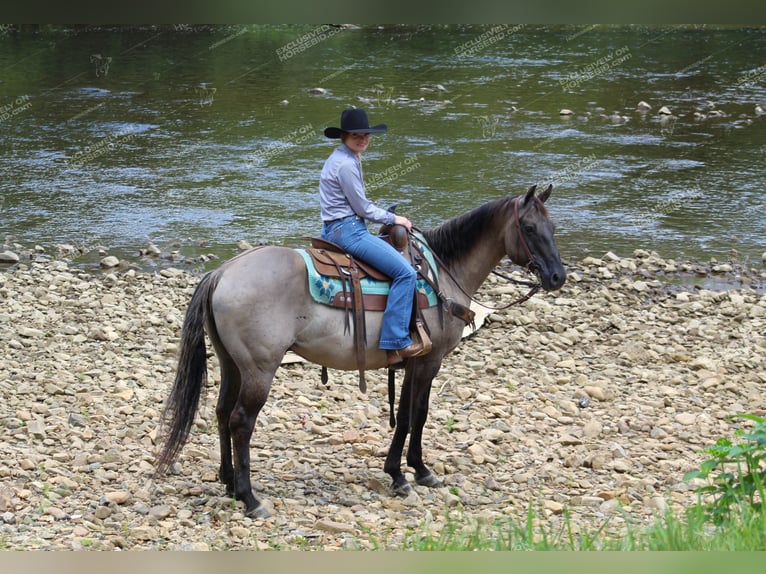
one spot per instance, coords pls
(121, 137)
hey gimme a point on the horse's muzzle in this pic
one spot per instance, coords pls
(552, 277)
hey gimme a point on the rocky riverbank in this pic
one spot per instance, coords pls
(595, 399)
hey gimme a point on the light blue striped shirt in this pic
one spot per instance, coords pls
(342, 192)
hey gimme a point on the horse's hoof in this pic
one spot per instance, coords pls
(429, 480)
(258, 512)
(401, 489)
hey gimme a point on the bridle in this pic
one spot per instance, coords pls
(534, 287)
(522, 241)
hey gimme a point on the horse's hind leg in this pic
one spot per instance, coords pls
(227, 397)
(253, 392)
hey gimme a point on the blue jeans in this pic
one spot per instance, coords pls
(351, 234)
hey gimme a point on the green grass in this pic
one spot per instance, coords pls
(743, 531)
(728, 516)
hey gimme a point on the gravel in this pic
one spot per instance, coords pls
(593, 401)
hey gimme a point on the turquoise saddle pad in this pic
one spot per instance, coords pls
(324, 288)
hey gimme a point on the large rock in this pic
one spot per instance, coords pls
(110, 261)
(8, 257)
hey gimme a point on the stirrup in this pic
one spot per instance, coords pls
(422, 335)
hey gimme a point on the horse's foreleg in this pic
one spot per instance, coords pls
(423, 474)
(227, 397)
(252, 397)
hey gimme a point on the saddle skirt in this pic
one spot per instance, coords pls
(330, 278)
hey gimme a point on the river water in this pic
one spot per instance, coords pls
(119, 138)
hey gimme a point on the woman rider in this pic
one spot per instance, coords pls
(345, 209)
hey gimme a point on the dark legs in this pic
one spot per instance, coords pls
(227, 396)
(242, 397)
(411, 418)
(239, 402)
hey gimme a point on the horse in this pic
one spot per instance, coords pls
(256, 306)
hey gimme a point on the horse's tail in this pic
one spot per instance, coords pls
(191, 375)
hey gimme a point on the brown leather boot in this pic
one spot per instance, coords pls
(396, 356)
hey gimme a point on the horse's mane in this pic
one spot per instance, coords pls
(455, 237)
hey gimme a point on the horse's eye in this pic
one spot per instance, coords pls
(529, 229)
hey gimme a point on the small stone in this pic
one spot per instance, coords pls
(171, 272)
(686, 419)
(152, 250)
(109, 261)
(118, 497)
(609, 506)
(566, 112)
(376, 485)
(240, 532)
(492, 435)
(332, 526)
(567, 364)
(450, 499)
(351, 435)
(591, 501)
(36, 428)
(553, 506)
(77, 420)
(665, 111)
(477, 453)
(143, 533)
(159, 512)
(642, 106)
(197, 547)
(620, 465)
(29, 332)
(592, 429)
(595, 392)
(569, 440)
(56, 513)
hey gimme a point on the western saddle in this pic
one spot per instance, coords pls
(331, 261)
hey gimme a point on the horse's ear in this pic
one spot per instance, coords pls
(530, 194)
(546, 194)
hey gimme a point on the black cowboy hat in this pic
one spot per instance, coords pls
(354, 120)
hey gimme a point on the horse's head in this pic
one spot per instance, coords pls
(529, 239)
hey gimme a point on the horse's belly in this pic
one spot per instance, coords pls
(326, 342)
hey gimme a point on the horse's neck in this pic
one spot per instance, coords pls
(473, 268)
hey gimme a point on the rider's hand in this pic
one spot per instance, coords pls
(404, 222)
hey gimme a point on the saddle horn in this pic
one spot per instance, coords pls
(397, 233)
